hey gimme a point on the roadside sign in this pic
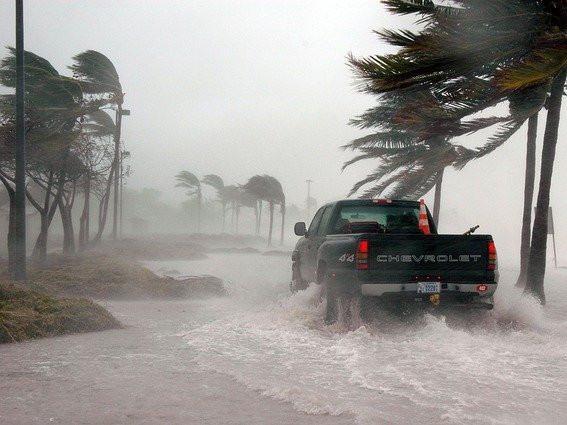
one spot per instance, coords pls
(551, 231)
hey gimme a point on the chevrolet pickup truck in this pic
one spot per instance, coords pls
(391, 250)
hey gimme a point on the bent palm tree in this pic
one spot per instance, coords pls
(189, 181)
(218, 184)
(98, 77)
(258, 187)
(512, 46)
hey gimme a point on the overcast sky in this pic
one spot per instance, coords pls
(238, 88)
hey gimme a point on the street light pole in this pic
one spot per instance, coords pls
(309, 181)
(20, 175)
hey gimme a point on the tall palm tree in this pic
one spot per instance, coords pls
(513, 46)
(529, 184)
(191, 182)
(217, 183)
(98, 125)
(99, 77)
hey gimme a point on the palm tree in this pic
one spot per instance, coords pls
(413, 144)
(267, 188)
(97, 125)
(99, 77)
(277, 197)
(529, 184)
(513, 46)
(217, 183)
(258, 187)
(54, 104)
(190, 182)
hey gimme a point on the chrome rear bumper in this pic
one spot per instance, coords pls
(379, 289)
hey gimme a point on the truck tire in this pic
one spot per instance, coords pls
(297, 283)
(342, 305)
(332, 310)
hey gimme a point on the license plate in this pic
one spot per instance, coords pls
(428, 287)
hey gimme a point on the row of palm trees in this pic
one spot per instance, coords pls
(466, 58)
(252, 194)
(72, 143)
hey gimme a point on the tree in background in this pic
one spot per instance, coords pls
(217, 183)
(269, 189)
(191, 182)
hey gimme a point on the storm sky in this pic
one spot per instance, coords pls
(238, 88)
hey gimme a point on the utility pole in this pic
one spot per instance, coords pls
(20, 175)
(119, 113)
(308, 181)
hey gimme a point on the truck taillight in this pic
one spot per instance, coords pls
(492, 256)
(361, 262)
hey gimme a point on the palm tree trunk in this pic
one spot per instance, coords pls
(256, 217)
(84, 221)
(529, 183)
(47, 212)
(199, 212)
(259, 217)
(536, 264)
(223, 216)
(68, 231)
(103, 207)
(271, 223)
(437, 199)
(39, 252)
(283, 223)
(232, 217)
(237, 217)
(11, 225)
(12, 241)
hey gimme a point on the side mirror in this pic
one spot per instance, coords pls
(299, 229)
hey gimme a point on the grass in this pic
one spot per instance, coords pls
(48, 304)
(111, 277)
(26, 314)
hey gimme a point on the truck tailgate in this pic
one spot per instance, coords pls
(410, 257)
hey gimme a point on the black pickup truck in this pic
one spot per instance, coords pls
(390, 249)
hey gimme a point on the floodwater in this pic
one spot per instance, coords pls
(264, 356)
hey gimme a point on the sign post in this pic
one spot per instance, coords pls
(551, 231)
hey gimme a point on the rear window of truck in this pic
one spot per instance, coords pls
(383, 218)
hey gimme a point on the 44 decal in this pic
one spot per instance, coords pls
(347, 258)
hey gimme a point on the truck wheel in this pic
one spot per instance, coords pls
(332, 311)
(297, 283)
(342, 306)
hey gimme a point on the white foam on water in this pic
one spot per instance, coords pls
(505, 366)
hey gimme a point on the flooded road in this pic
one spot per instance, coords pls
(262, 356)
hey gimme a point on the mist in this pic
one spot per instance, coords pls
(185, 315)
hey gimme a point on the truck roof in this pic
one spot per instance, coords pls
(382, 201)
